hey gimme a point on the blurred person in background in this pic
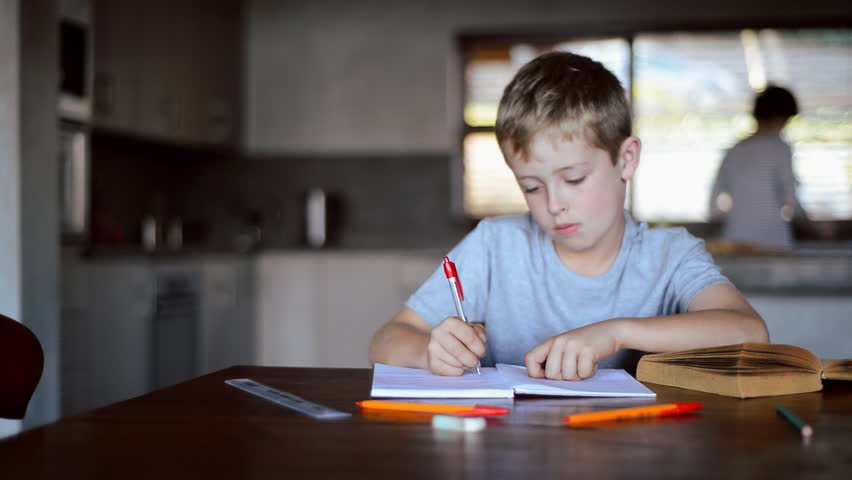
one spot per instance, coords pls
(754, 195)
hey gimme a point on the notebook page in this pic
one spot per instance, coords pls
(606, 383)
(398, 382)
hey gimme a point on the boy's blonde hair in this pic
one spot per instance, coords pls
(570, 92)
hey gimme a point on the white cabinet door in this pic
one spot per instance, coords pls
(106, 335)
(322, 309)
(289, 295)
(822, 325)
(226, 336)
(364, 291)
(360, 296)
(414, 270)
(123, 301)
(75, 340)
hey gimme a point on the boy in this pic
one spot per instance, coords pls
(576, 283)
(755, 189)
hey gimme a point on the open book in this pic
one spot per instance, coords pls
(504, 381)
(743, 370)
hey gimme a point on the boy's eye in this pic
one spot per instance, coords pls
(575, 181)
(530, 189)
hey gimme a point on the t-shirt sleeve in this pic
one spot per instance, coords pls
(434, 301)
(695, 271)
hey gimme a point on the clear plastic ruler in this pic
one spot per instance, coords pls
(288, 400)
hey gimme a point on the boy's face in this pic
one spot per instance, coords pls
(574, 192)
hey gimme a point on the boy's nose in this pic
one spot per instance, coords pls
(556, 205)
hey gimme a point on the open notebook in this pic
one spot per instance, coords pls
(504, 381)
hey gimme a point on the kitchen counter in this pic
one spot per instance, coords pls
(820, 272)
(810, 270)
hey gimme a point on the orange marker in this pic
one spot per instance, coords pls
(461, 410)
(666, 410)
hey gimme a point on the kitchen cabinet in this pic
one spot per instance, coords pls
(289, 302)
(321, 309)
(819, 323)
(168, 71)
(105, 332)
(117, 62)
(130, 325)
(803, 297)
(361, 294)
(212, 83)
(226, 335)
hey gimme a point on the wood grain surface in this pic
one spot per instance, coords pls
(206, 429)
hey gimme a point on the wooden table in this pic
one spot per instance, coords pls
(206, 429)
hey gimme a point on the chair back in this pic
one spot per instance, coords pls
(21, 364)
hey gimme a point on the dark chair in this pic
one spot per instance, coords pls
(21, 364)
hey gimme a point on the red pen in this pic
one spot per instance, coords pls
(458, 293)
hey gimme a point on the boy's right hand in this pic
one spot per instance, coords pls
(455, 346)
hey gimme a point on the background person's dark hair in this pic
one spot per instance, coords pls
(775, 102)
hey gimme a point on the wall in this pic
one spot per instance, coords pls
(10, 213)
(29, 246)
(40, 197)
(376, 201)
(380, 76)
(358, 98)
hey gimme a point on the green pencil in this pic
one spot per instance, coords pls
(795, 421)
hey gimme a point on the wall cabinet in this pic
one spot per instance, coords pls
(169, 71)
(322, 309)
(117, 62)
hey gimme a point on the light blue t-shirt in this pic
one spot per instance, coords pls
(514, 281)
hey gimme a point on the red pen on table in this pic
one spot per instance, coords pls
(458, 293)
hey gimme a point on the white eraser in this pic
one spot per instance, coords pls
(460, 424)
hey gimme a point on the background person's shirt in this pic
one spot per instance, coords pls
(757, 173)
(514, 281)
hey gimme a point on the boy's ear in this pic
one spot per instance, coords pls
(628, 157)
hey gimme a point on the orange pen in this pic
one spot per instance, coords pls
(666, 410)
(460, 410)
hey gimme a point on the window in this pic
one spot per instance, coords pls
(692, 94)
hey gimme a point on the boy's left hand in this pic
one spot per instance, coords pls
(573, 355)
